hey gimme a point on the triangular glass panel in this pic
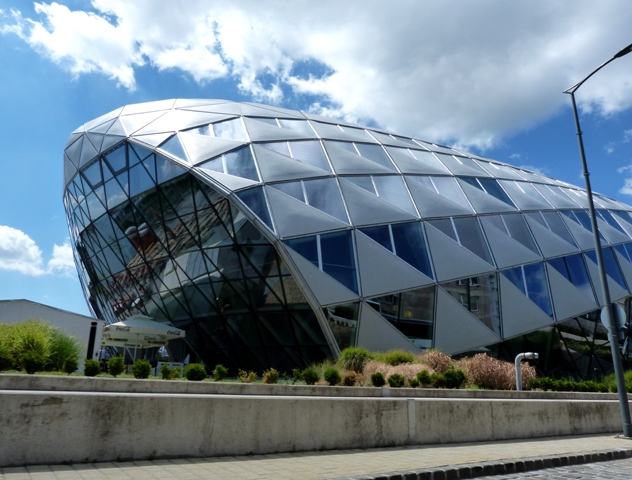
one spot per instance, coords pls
(140, 180)
(326, 290)
(93, 174)
(520, 315)
(174, 147)
(110, 141)
(375, 333)
(276, 167)
(132, 123)
(624, 262)
(382, 272)
(96, 139)
(255, 200)
(293, 217)
(69, 170)
(506, 250)
(230, 182)
(114, 193)
(263, 132)
(225, 108)
(333, 132)
(613, 273)
(167, 169)
(583, 237)
(484, 202)
(176, 120)
(203, 147)
(88, 153)
(386, 139)
(345, 162)
(456, 329)
(531, 279)
(431, 204)
(117, 159)
(451, 260)
(568, 300)
(367, 209)
(416, 161)
(256, 110)
(102, 127)
(73, 138)
(148, 107)
(462, 166)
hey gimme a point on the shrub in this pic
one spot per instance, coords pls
(397, 357)
(454, 378)
(91, 368)
(116, 365)
(378, 380)
(297, 375)
(310, 375)
(220, 372)
(351, 379)
(436, 360)
(166, 372)
(195, 372)
(491, 373)
(354, 358)
(32, 361)
(246, 377)
(141, 368)
(63, 348)
(6, 358)
(70, 365)
(396, 381)
(271, 376)
(438, 380)
(413, 383)
(332, 376)
(424, 378)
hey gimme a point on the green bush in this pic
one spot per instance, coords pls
(424, 378)
(310, 375)
(270, 376)
(332, 376)
(220, 372)
(396, 357)
(438, 380)
(91, 368)
(6, 358)
(32, 361)
(354, 358)
(166, 372)
(247, 377)
(396, 380)
(141, 368)
(70, 365)
(454, 378)
(413, 383)
(297, 375)
(378, 380)
(116, 365)
(565, 385)
(195, 372)
(63, 348)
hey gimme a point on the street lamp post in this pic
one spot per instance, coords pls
(609, 307)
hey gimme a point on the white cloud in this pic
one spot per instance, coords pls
(626, 189)
(20, 253)
(469, 75)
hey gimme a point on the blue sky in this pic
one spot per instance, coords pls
(486, 76)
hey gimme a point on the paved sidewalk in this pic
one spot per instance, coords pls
(422, 462)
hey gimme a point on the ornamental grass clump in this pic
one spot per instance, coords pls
(351, 379)
(354, 358)
(493, 374)
(395, 357)
(270, 376)
(437, 361)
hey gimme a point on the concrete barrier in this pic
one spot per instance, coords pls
(48, 427)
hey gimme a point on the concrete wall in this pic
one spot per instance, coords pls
(40, 426)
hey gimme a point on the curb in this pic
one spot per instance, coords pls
(502, 467)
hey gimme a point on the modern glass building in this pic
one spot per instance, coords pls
(276, 238)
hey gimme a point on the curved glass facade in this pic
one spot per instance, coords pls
(275, 238)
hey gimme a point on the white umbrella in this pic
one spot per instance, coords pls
(143, 326)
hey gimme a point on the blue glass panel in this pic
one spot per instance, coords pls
(392, 189)
(471, 237)
(324, 195)
(306, 247)
(612, 267)
(231, 129)
(492, 187)
(623, 251)
(515, 276)
(557, 226)
(607, 216)
(445, 226)
(410, 246)
(538, 286)
(279, 147)
(364, 182)
(255, 200)
(117, 159)
(518, 231)
(472, 181)
(338, 259)
(294, 189)
(140, 152)
(93, 174)
(241, 164)
(583, 219)
(578, 274)
(310, 151)
(174, 147)
(381, 235)
(167, 169)
(560, 265)
(140, 180)
(376, 154)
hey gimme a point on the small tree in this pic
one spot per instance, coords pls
(91, 368)
(195, 372)
(116, 365)
(141, 368)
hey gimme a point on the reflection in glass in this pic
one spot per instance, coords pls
(411, 312)
(230, 129)
(255, 200)
(410, 246)
(531, 280)
(324, 195)
(470, 235)
(343, 323)
(392, 189)
(338, 259)
(480, 296)
(310, 151)
(574, 269)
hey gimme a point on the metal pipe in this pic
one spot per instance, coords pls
(518, 362)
